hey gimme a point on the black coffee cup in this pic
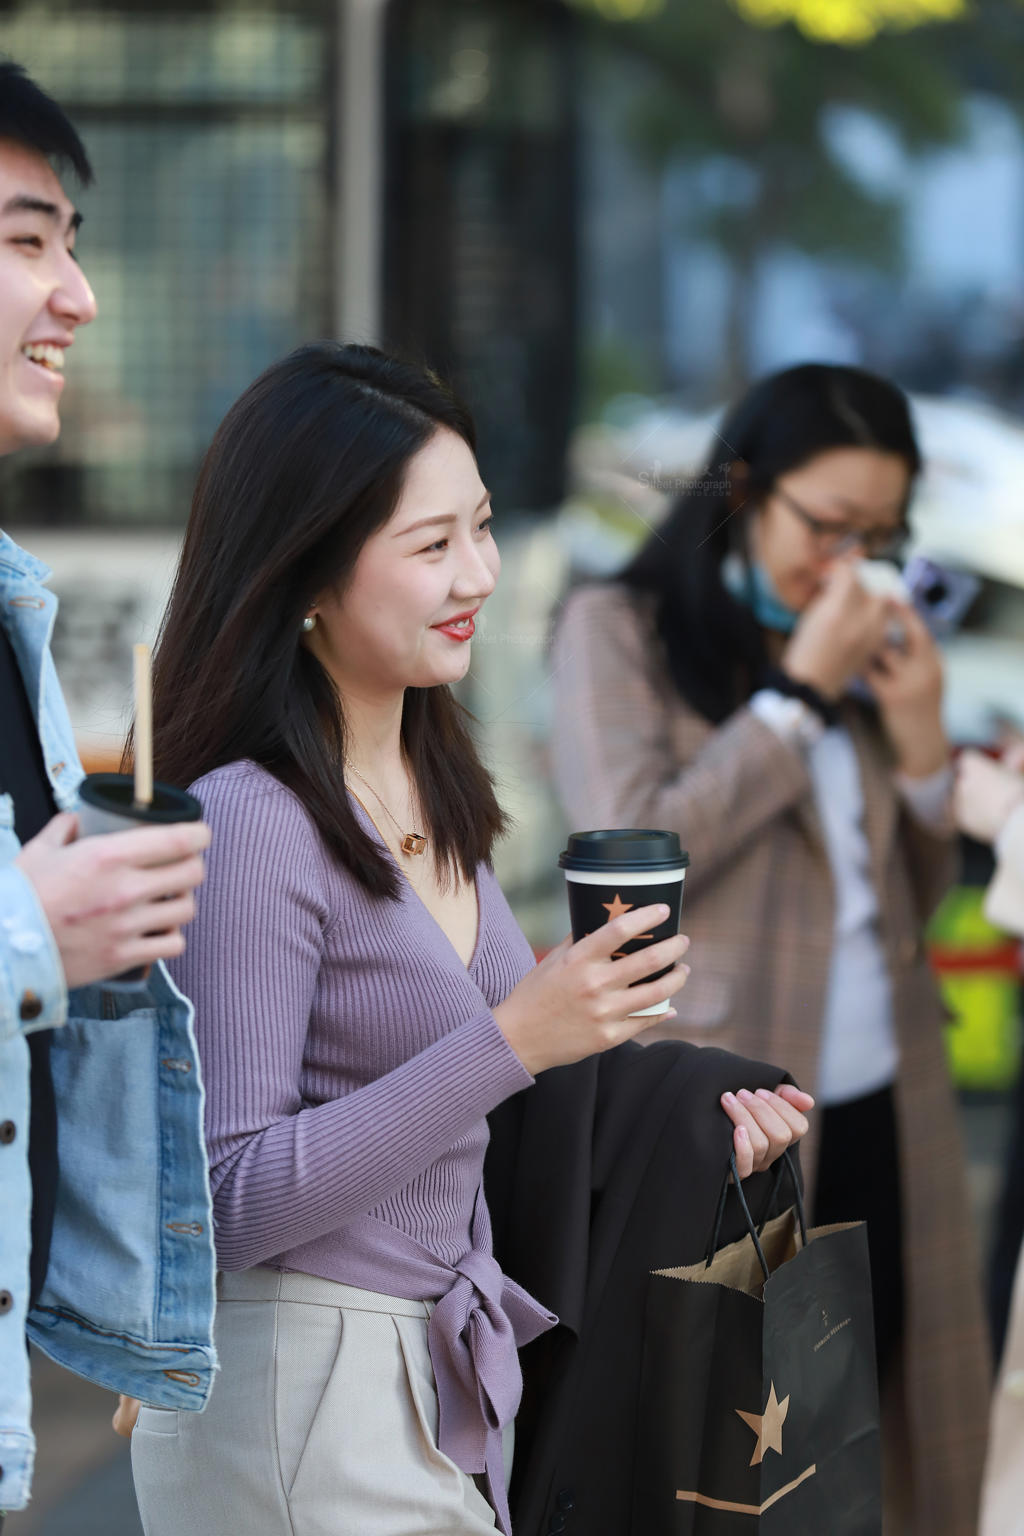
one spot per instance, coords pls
(611, 872)
(107, 804)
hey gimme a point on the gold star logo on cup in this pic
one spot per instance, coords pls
(615, 909)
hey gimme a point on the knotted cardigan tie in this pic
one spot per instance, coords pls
(480, 1321)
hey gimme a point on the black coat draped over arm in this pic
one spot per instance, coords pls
(596, 1175)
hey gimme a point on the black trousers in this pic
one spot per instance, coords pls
(859, 1180)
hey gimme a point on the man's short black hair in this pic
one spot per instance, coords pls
(29, 117)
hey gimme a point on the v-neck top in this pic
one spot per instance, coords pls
(373, 829)
(350, 1058)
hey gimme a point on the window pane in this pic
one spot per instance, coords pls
(207, 238)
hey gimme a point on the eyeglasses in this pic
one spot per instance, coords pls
(834, 538)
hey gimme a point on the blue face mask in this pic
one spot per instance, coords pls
(754, 588)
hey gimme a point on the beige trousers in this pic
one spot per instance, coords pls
(322, 1422)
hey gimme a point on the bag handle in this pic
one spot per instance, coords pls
(786, 1165)
(782, 1167)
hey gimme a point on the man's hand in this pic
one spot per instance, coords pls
(116, 901)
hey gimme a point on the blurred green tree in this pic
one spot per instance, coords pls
(752, 81)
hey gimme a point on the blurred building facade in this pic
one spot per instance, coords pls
(586, 212)
(601, 218)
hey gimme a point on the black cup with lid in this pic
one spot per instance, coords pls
(609, 872)
(106, 803)
(629, 848)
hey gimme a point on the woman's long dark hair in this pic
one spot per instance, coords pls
(712, 644)
(307, 464)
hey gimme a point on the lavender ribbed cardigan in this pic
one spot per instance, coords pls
(349, 1059)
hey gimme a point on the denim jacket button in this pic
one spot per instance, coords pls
(8, 1131)
(31, 1007)
(6, 1302)
(26, 942)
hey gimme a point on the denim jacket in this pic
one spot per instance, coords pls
(129, 1294)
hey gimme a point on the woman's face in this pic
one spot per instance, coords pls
(857, 491)
(405, 619)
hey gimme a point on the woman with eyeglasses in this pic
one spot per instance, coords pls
(739, 683)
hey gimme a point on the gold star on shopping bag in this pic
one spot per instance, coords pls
(767, 1426)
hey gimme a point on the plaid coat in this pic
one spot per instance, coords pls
(1002, 1503)
(758, 906)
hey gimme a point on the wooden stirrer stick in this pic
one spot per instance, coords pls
(143, 728)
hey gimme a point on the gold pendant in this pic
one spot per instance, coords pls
(413, 842)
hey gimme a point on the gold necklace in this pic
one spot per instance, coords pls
(412, 842)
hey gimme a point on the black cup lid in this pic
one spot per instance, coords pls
(116, 792)
(623, 848)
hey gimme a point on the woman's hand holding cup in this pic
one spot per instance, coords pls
(580, 999)
(599, 990)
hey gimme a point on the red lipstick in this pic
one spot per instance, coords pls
(459, 627)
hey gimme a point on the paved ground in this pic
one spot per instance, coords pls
(83, 1475)
(83, 1483)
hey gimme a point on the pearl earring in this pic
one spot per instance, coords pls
(309, 622)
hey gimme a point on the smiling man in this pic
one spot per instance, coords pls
(45, 295)
(103, 1186)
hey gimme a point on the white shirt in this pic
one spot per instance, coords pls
(859, 1053)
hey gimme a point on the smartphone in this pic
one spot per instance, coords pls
(942, 596)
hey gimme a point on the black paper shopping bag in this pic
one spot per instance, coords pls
(759, 1396)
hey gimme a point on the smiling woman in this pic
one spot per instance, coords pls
(440, 583)
(364, 997)
(311, 504)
